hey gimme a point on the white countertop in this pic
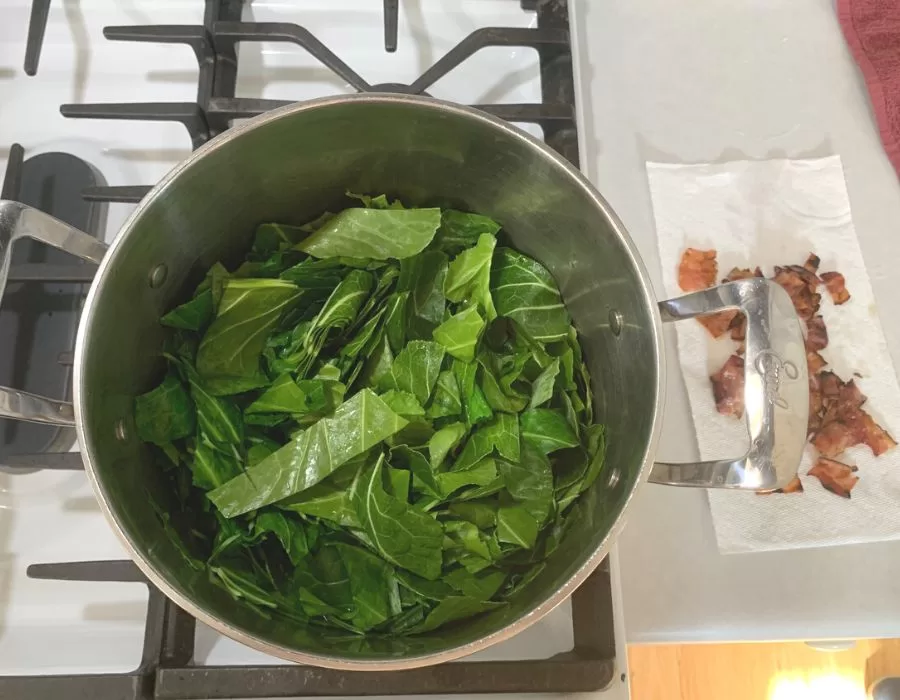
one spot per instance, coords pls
(731, 79)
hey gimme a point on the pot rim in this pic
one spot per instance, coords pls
(337, 662)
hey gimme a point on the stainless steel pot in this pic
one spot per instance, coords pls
(289, 165)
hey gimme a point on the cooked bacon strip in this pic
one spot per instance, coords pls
(815, 362)
(866, 431)
(833, 438)
(834, 283)
(697, 269)
(835, 476)
(728, 387)
(718, 323)
(812, 263)
(800, 284)
(794, 486)
(816, 334)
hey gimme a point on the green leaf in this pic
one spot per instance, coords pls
(444, 441)
(165, 413)
(501, 433)
(482, 514)
(211, 467)
(403, 403)
(446, 400)
(481, 586)
(517, 526)
(395, 320)
(402, 535)
(379, 202)
(476, 406)
(542, 387)
(373, 586)
(530, 481)
(415, 369)
(452, 609)
(459, 334)
(308, 396)
(378, 234)
(249, 310)
(422, 277)
(331, 498)
(193, 315)
(339, 310)
(423, 474)
(469, 277)
(525, 292)
(482, 474)
(495, 395)
(242, 586)
(288, 530)
(429, 590)
(460, 230)
(357, 424)
(219, 419)
(548, 429)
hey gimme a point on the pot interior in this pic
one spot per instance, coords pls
(289, 166)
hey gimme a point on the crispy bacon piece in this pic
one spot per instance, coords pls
(812, 263)
(835, 476)
(833, 438)
(815, 362)
(866, 431)
(697, 269)
(728, 387)
(718, 323)
(834, 283)
(816, 334)
(794, 486)
(801, 285)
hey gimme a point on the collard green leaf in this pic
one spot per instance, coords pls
(454, 608)
(517, 526)
(403, 536)
(218, 418)
(482, 474)
(289, 531)
(444, 441)
(530, 481)
(415, 369)
(498, 398)
(308, 396)
(395, 320)
(331, 498)
(379, 202)
(242, 586)
(446, 400)
(524, 291)
(469, 277)
(542, 387)
(165, 413)
(193, 315)
(428, 590)
(373, 586)
(249, 310)
(482, 514)
(477, 409)
(422, 278)
(459, 334)
(339, 310)
(211, 467)
(481, 586)
(547, 429)
(424, 475)
(378, 234)
(403, 403)
(460, 230)
(501, 433)
(357, 424)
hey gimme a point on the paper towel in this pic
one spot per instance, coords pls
(770, 213)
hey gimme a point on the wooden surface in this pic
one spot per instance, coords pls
(771, 671)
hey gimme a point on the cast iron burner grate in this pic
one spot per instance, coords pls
(166, 670)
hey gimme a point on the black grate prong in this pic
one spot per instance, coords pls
(187, 113)
(391, 20)
(121, 570)
(37, 25)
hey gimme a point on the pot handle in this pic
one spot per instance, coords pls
(776, 389)
(20, 221)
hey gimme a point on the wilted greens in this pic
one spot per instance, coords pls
(377, 423)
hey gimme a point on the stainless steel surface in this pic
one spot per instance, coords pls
(289, 165)
(18, 221)
(776, 390)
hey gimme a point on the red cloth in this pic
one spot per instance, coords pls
(872, 29)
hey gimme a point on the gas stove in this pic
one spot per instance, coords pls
(112, 96)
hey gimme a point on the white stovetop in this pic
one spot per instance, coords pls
(57, 627)
(707, 81)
